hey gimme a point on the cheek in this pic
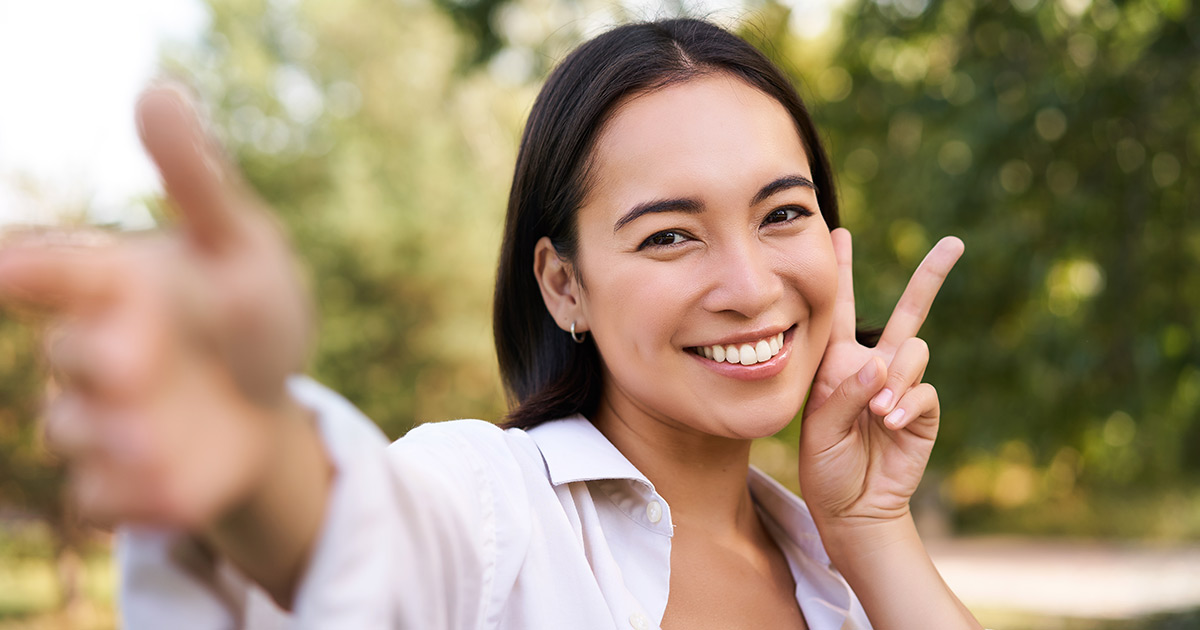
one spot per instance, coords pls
(815, 278)
(633, 311)
(823, 283)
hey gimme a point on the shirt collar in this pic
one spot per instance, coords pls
(575, 450)
(789, 512)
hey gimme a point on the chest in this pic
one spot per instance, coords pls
(611, 561)
(720, 585)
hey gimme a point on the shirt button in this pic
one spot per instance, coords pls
(639, 621)
(654, 511)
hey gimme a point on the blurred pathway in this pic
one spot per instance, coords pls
(1063, 578)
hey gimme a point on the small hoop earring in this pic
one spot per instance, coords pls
(577, 337)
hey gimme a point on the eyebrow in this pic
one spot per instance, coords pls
(783, 183)
(685, 205)
(692, 206)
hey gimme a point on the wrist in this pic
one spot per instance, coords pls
(851, 540)
(888, 568)
(270, 533)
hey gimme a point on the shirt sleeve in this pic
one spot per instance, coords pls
(410, 538)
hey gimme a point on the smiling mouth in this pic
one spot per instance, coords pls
(749, 353)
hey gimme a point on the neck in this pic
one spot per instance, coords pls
(701, 476)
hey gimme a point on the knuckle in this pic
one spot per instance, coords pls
(845, 395)
(928, 396)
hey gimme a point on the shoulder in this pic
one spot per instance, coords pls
(474, 458)
(463, 441)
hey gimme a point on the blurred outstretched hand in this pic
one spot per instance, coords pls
(169, 351)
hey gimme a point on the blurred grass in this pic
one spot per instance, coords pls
(1018, 621)
(1168, 514)
(30, 595)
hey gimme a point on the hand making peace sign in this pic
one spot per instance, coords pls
(870, 423)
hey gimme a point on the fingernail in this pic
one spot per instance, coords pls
(867, 373)
(883, 399)
(895, 418)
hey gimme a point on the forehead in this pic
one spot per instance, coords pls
(711, 135)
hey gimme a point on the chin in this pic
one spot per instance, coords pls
(759, 420)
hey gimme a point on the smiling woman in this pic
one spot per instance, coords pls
(669, 288)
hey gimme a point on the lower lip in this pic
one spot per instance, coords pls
(758, 371)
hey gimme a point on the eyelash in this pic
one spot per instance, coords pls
(799, 210)
(678, 234)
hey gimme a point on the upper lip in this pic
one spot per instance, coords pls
(740, 338)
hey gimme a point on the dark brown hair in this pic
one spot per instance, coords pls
(546, 374)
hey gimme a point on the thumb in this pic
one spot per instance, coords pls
(837, 416)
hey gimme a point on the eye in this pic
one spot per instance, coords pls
(665, 238)
(786, 214)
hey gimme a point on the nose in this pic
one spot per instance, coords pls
(744, 279)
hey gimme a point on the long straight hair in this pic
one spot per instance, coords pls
(546, 374)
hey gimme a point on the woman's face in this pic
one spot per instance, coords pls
(700, 235)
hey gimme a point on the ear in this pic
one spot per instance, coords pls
(560, 288)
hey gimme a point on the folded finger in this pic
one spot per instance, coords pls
(923, 287)
(107, 457)
(918, 410)
(67, 430)
(906, 370)
(838, 415)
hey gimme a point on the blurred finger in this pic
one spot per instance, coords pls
(66, 428)
(843, 310)
(108, 458)
(57, 279)
(918, 410)
(918, 296)
(195, 173)
(65, 358)
(105, 494)
(906, 370)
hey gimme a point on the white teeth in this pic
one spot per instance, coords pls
(762, 351)
(745, 353)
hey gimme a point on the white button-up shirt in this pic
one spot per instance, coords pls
(464, 525)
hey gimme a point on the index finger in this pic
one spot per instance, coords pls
(195, 174)
(57, 279)
(843, 309)
(918, 296)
